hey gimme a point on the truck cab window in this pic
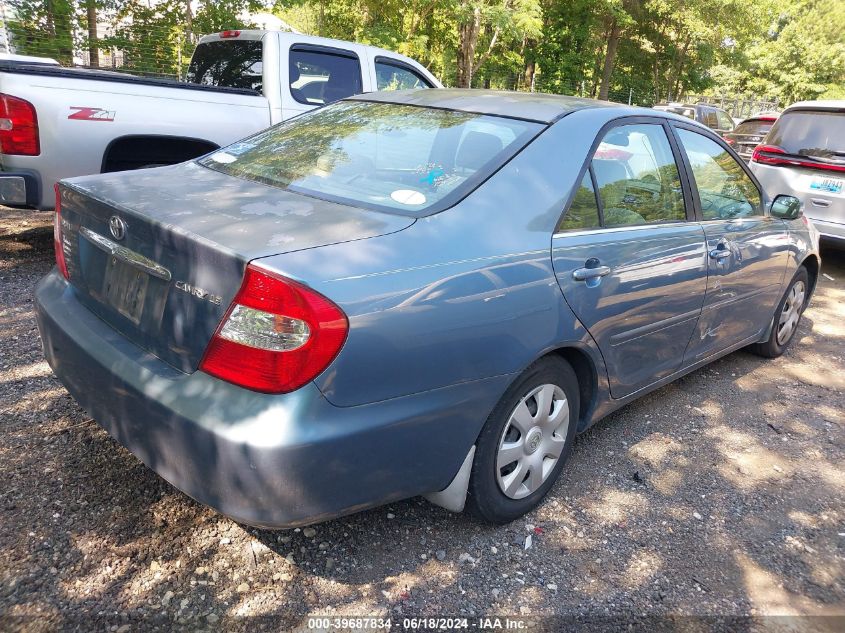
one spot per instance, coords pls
(394, 77)
(319, 78)
(228, 64)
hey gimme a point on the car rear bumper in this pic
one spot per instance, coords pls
(265, 460)
(19, 190)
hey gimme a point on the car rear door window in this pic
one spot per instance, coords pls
(724, 188)
(391, 76)
(319, 77)
(583, 213)
(637, 177)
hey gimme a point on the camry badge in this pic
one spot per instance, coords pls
(117, 228)
(199, 293)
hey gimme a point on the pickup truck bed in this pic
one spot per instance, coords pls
(23, 68)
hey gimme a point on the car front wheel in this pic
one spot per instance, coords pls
(787, 317)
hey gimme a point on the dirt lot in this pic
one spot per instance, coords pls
(722, 494)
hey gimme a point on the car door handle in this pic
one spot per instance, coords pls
(720, 253)
(583, 274)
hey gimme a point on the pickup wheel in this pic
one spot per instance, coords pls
(525, 442)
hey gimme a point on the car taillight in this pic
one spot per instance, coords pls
(228, 34)
(768, 155)
(58, 237)
(276, 336)
(18, 127)
(774, 155)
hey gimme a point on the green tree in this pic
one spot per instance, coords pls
(800, 55)
(43, 28)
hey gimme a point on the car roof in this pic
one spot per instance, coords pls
(821, 104)
(532, 106)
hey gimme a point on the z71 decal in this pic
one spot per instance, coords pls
(91, 114)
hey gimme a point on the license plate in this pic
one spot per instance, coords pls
(827, 185)
(125, 288)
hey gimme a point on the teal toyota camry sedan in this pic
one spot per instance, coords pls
(411, 293)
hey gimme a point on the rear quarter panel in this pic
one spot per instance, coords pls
(466, 294)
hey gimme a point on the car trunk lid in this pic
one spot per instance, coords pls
(159, 254)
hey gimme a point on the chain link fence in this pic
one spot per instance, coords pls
(145, 37)
(157, 38)
(737, 107)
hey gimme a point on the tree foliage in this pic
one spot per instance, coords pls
(639, 50)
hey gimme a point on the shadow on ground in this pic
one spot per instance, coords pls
(721, 494)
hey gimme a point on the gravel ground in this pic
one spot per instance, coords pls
(719, 495)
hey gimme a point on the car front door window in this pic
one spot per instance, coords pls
(725, 190)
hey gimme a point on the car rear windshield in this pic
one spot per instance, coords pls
(398, 158)
(815, 133)
(227, 63)
(753, 128)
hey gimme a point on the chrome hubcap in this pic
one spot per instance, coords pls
(532, 441)
(791, 313)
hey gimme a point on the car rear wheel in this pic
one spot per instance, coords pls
(787, 317)
(525, 442)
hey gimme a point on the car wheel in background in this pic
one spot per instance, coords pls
(787, 316)
(525, 442)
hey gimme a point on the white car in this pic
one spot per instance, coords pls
(804, 155)
(59, 122)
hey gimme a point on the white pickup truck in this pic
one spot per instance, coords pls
(59, 122)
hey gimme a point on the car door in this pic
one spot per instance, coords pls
(747, 249)
(629, 259)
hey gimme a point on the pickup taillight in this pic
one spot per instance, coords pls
(18, 127)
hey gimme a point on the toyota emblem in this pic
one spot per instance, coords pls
(117, 227)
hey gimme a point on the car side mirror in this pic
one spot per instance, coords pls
(786, 208)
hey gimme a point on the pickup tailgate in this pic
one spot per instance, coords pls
(187, 234)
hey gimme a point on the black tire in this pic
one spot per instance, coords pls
(772, 347)
(485, 497)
